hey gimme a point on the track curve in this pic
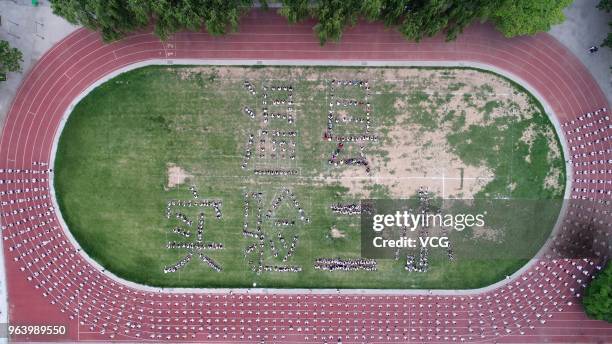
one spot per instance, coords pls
(48, 274)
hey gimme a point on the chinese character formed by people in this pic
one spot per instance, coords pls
(190, 243)
(274, 231)
(349, 123)
(421, 263)
(274, 144)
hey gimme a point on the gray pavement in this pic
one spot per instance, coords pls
(33, 30)
(584, 27)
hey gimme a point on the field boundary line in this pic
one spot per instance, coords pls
(339, 63)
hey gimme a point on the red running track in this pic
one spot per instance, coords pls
(50, 283)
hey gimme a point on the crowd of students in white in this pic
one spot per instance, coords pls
(334, 119)
(52, 264)
(260, 232)
(589, 137)
(198, 246)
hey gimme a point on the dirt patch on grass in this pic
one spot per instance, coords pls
(529, 135)
(481, 85)
(528, 138)
(551, 181)
(416, 155)
(336, 233)
(486, 233)
(425, 159)
(187, 73)
(176, 175)
(430, 105)
(429, 108)
(554, 152)
(399, 104)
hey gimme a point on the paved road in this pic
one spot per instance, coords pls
(584, 27)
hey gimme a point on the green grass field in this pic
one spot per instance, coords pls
(112, 167)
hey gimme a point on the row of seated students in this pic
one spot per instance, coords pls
(55, 268)
(589, 137)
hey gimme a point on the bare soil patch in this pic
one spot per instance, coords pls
(486, 233)
(418, 156)
(426, 158)
(336, 233)
(176, 175)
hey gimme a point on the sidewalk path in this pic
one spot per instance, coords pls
(585, 27)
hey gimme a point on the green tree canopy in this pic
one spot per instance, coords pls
(295, 10)
(415, 19)
(427, 18)
(597, 299)
(607, 42)
(115, 18)
(528, 17)
(10, 58)
(606, 5)
(334, 16)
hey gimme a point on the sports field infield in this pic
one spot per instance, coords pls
(140, 146)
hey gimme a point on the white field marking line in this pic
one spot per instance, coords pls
(443, 185)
